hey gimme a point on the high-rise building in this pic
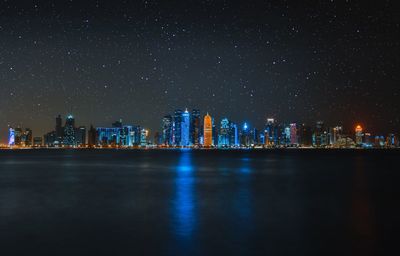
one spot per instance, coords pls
(69, 132)
(336, 134)
(271, 133)
(224, 132)
(11, 137)
(359, 135)
(50, 139)
(195, 127)
(92, 137)
(245, 136)
(185, 129)
(59, 132)
(306, 135)
(178, 127)
(80, 136)
(167, 130)
(207, 131)
(320, 137)
(233, 134)
(293, 134)
(143, 137)
(28, 137)
(214, 132)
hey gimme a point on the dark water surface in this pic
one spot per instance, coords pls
(183, 202)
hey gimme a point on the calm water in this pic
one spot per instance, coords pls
(182, 202)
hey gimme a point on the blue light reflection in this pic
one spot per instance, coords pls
(183, 209)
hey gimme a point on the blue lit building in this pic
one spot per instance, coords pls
(233, 135)
(271, 133)
(185, 129)
(178, 127)
(223, 137)
(245, 136)
(125, 136)
(11, 137)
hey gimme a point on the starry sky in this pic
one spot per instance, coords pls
(300, 61)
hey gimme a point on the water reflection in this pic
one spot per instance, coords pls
(243, 205)
(183, 208)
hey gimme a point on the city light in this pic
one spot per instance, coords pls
(186, 129)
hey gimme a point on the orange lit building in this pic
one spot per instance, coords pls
(359, 135)
(207, 131)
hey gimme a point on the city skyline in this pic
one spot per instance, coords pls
(330, 61)
(186, 129)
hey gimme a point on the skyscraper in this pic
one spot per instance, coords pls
(320, 137)
(11, 137)
(167, 129)
(92, 136)
(195, 127)
(69, 132)
(245, 136)
(207, 131)
(271, 133)
(185, 129)
(28, 137)
(293, 134)
(359, 135)
(223, 137)
(59, 132)
(233, 134)
(178, 127)
(80, 136)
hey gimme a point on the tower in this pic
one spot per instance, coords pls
(69, 132)
(167, 130)
(178, 127)
(195, 128)
(185, 129)
(207, 131)
(359, 135)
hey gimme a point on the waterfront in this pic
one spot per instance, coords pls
(198, 202)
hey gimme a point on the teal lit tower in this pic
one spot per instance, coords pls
(185, 129)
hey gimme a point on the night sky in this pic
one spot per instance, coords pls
(337, 61)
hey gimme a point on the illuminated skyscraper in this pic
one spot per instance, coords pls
(233, 134)
(178, 127)
(80, 136)
(28, 137)
(143, 137)
(293, 134)
(359, 135)
(167, 129)
(11, 137)
(336, 134)
(207, 131)
(195, 127)
(320, 136)
(18, 134)
(245, 136)
(69, 132)
(223, 137)
(271, 134)
(185, 129)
